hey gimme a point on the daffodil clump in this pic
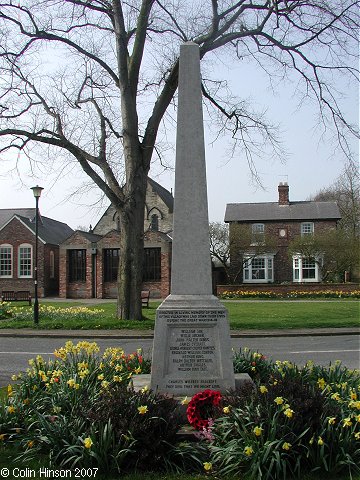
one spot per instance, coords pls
(290, 422)
(57, 314)
(50, 399)
(329, 293)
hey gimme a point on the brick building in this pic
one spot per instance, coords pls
(281, 222)
(89, 260)
(17, 251)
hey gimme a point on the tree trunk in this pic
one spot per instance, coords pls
(132, 250)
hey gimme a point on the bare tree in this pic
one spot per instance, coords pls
(69, 67)
(346, 192)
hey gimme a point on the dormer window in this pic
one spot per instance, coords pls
(307, 228)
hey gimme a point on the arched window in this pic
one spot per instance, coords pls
(6, 260)
(154, 222)
(25, 261)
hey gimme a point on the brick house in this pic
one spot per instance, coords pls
(281, 221)
(17, 251)
(89, 260)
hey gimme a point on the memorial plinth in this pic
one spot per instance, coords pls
(191, 350)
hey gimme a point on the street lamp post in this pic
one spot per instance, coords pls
(37, 192)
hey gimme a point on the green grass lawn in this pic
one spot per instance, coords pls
(267, 314)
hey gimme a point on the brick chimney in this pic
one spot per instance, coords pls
(283, 190)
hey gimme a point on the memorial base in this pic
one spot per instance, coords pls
(192, 349)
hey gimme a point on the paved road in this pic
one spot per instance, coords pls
(16, 351)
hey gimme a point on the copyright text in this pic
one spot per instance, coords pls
(44, 472)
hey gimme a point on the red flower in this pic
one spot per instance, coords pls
(202, 407)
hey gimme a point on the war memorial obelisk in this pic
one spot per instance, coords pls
(191, 350)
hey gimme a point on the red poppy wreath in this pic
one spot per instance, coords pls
(202, 407)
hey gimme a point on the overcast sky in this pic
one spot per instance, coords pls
(312, 163)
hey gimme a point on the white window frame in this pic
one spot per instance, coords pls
(250, 276)
(300, 266)
(8, 246)
(21, 247)
(307, 228)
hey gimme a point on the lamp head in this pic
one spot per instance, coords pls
(37, 191)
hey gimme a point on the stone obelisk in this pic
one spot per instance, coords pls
(192, 348)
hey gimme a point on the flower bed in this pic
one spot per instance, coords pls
(290, 294)
(77, 410)
(51, 313)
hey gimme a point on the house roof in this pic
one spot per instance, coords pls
(272, 211)
(7, 213)
(49, 230)
(164, 194)
(91, 237)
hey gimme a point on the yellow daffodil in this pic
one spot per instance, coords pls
(331, 420)
(336, 396)
(320, 441)
(88, 442)
(288, 412)
(30, 443)
(279, 400)
(347, 422)
(286, 446)
(143, 409)
(248, 451)
(357, 418)
(101, 376)
(146, 388)
(357, 435)
(321, 383)
(71, 382)
(226, 409)
(11, 409)
(2, 437)
(207, 466)
(263, 389)
(311, 441)
(116, 378)
(258, 431)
